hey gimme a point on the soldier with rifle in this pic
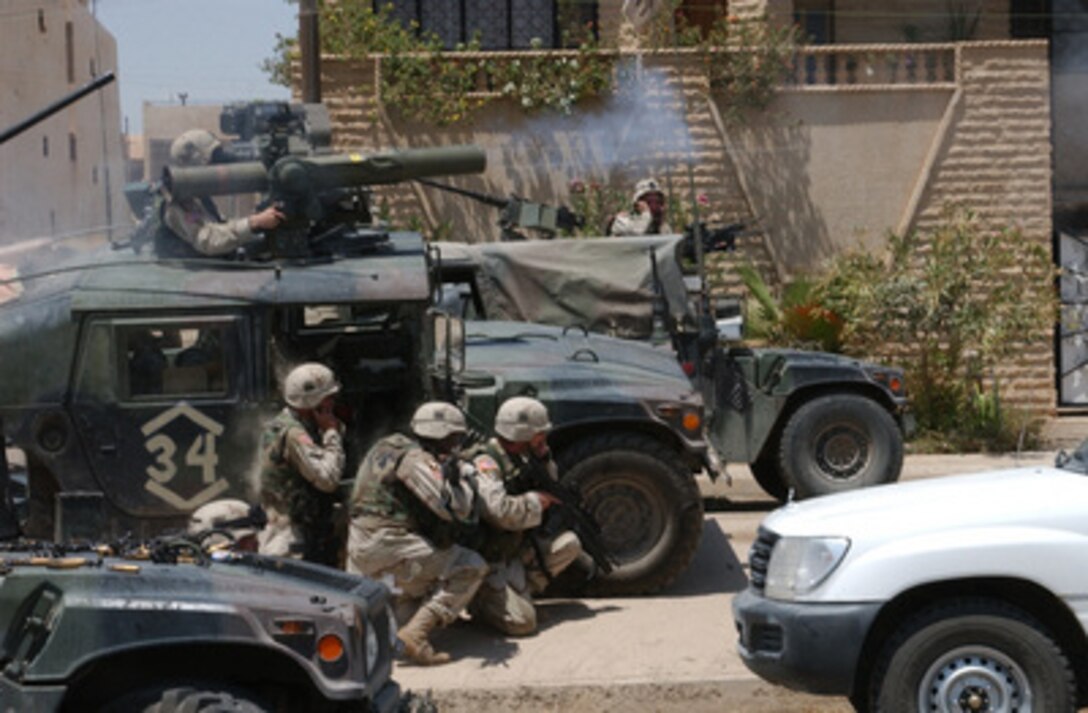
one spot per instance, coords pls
(411, 500)
(522, 559)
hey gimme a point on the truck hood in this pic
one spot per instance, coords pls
(1025, 524)
(1050, 498)
(514, 349)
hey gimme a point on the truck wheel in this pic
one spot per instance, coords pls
(647, 504)
(769, 477)
(202, 698)
(972, 654)
(840, 442)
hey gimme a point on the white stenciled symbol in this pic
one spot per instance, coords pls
(201, 453)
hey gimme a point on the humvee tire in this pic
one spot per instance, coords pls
(839, 442)
(207, 697)
(769, 476)
(647, 504)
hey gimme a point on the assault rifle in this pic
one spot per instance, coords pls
(567, 514)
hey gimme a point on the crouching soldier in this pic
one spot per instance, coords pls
(521, 560)
(410, 502)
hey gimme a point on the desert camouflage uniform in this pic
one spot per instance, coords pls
(515, 574)
(627, 224)
(199, 225)
(404, 519)
(299, 481)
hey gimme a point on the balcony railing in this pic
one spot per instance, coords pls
(872, 66)
(814, 68)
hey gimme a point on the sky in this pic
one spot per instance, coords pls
(209, 49)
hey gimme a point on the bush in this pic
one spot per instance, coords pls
(953, 303)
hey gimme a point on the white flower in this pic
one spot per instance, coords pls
(509, 88)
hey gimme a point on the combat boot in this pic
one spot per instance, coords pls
(414, 635)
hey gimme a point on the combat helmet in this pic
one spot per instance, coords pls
(520, 418)
(195, 147)
(211, 519)
(437, 420)
(308, 384)
(646, 185)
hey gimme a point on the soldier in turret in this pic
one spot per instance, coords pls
(521, 559)
(647, 214)
(302, 463)
(412, 498)
(195, 224)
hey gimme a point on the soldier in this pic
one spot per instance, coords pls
(196, 221)
(521, 563)
(302, 463)
(226, 524)
(648, 217)
(410, 499)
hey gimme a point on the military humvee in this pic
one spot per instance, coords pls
(807, 421)
(171, 628)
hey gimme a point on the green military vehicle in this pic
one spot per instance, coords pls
(809, 422)
(171, 628)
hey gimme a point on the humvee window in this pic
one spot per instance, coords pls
(174, 361)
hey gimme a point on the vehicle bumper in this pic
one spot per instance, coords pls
(803, 646)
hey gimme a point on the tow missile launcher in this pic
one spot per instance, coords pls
(326, 213)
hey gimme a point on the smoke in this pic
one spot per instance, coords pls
(640, 128)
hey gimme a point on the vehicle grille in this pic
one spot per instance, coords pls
(759, 558)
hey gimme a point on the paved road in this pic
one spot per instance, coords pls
(674, 652)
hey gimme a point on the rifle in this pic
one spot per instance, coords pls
(567, 514)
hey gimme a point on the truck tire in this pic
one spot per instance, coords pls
(839, 442)
(972, 654)
(198, 698)
(647, 504)
(769, 476)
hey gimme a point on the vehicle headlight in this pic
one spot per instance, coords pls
(371, 647)
(799, 564)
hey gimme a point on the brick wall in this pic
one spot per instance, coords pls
(996, 159)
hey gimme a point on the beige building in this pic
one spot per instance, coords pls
(63, 176)
(895, 110)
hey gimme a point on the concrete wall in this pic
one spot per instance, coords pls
(64, 175)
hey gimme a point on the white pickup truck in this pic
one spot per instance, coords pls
(963, 593)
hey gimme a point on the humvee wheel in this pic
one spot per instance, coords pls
(769, 477)
(840, 442)
(172, 698)
(646, 503)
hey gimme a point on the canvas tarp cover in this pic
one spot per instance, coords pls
(603, 284)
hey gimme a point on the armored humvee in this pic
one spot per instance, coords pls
(807, 421)
(171, 628)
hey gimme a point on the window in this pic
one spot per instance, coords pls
(174, 360)
(70, 51)
(499, 24)
(72, 145)
(815, 18)
(45, 146)
(41, 21)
